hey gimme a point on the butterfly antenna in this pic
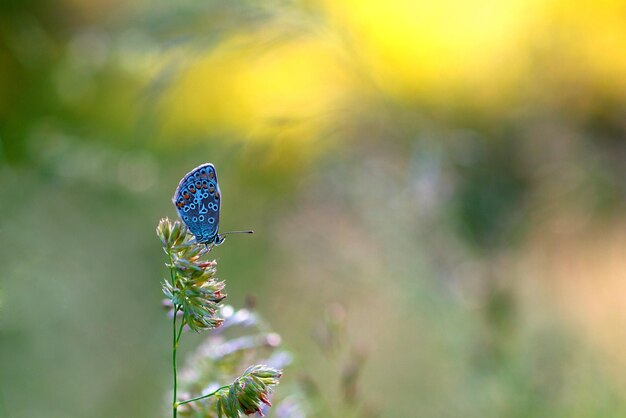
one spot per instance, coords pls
(237, 232)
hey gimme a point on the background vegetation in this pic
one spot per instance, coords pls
(452, 173)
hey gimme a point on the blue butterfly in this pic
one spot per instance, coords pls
(198, 201)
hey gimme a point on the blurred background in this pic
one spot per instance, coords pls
(447, 179)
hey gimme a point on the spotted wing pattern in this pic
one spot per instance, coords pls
(197, 200)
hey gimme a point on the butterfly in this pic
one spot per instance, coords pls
(198, 201)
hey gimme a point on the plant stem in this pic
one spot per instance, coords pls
(203, 396)
(174, 347)
(175, 339)
(180, 330)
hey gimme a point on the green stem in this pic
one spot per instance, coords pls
(174, 347)
(203, 396)
(175, 339)
(180, 330)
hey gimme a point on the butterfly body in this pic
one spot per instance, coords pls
(198, 200)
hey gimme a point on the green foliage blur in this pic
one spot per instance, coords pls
(450, 174)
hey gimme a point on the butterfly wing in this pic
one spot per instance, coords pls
(198, 200)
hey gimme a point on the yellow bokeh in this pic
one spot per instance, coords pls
(287, 89)
(437, 51)
(593, 34)
(270, 89)
(435, 48)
